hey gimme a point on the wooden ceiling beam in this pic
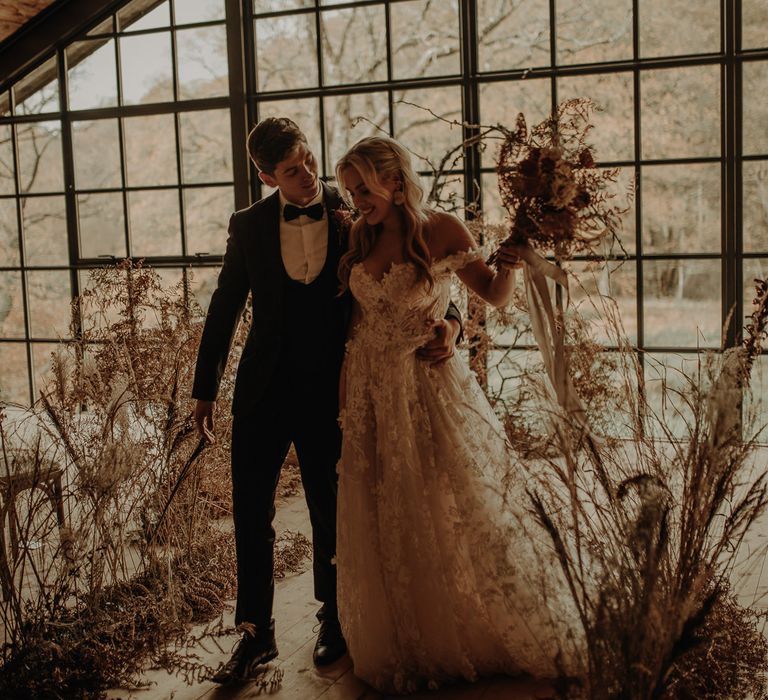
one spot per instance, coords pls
(15, 13)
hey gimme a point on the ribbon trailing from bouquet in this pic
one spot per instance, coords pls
(549, 329)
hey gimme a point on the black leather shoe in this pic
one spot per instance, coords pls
(253, 650)
(330, 645)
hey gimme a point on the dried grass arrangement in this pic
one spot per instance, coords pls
(647, 526)
(91, 598)
(647, 530)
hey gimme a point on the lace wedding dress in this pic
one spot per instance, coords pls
(442, 571)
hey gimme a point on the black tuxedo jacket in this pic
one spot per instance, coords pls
(253, 263)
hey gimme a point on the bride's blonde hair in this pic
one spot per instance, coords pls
(377, 159)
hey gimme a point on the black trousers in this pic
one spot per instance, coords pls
(302, 411)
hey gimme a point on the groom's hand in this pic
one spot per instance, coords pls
(204, 419)
(441, 347)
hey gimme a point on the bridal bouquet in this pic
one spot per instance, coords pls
(559, 202)
(557, 199)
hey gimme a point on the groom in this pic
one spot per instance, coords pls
(284, 250)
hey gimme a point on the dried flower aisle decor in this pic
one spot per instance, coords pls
(647, 530)
(142, 553)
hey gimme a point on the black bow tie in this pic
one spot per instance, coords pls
(291, 212)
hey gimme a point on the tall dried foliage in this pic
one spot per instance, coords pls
(96, 590)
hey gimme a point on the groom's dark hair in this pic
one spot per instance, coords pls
(271, 140)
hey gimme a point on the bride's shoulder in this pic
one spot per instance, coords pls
(446, 235)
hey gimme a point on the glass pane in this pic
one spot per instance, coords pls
(625, 199)
(500, 103)
(662, 22)
(354, 45)
(493, 210)
(682, 303)
(97, 312)
(278, 69)
(757, 400)
(202, 283)
(613, 133)
(280, 5)
(7, 169)
(50, 295)
(14, 381)
(170, 277)
(91, 75)
(425, 39)
(606, 296)
(96, 150)
(593, 31)
(755, 183)
(680, 112)
(667, 375)
(42, 364)
(754, 268)
(206, 146)
(39, 91)
(349, 118)
(306, 114)
(198, 11)
(445, 193)
(756, 405)
(755, 115)
(150, 150)
(146, 69)
(206, 213)
(428, 138)
(137, 16)
(102, 226)
(512, 34)
(5, 104)
(40, 163)
(9, 233)
(202, 61)
(754, 19)
(681, 208)
(45, 230)
(11, 306)
(155, 228)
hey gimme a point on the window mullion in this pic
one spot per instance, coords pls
(733, 306)
(70, 197)
(238, 108)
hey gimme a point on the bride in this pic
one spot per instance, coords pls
(442, 571)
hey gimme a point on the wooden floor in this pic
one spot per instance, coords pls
(295, 626)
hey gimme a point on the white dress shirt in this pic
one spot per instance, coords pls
(303, 242)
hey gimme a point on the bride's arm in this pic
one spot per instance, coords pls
(495, 286)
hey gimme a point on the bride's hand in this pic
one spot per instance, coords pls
(440, 347)
(509, 257)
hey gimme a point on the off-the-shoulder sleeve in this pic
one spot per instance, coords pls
(456, 261)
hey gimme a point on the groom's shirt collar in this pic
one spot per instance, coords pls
(304, 241)
(315, 200)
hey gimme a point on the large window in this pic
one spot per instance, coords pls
(130, 139)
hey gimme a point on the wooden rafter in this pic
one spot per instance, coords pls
(14, 13)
